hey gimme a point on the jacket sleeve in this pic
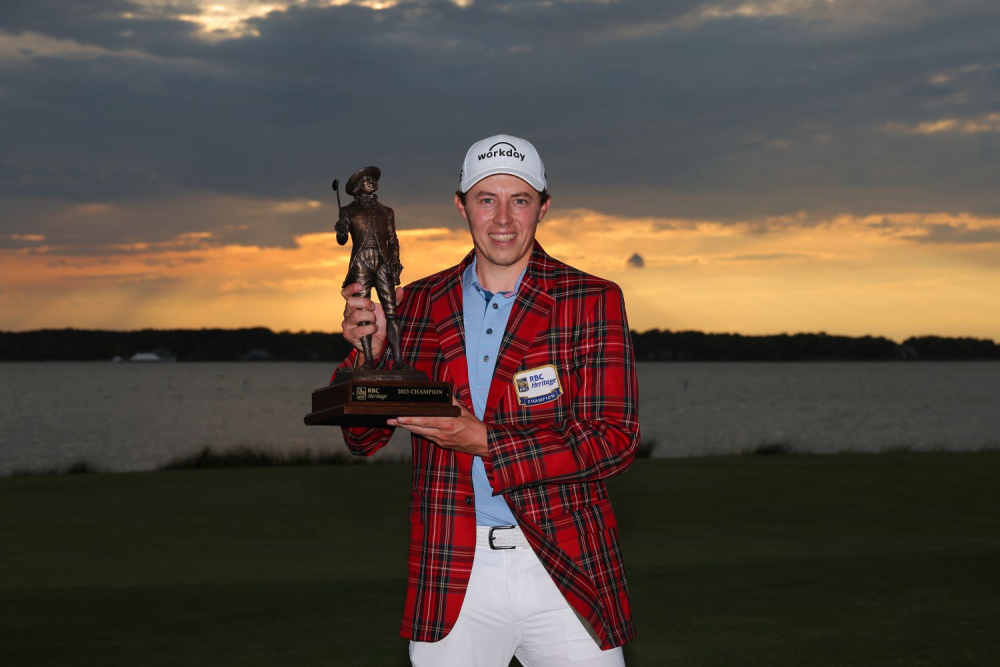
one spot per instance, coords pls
(363, 440)
(599, 438)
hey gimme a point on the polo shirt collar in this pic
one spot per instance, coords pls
(471, 280)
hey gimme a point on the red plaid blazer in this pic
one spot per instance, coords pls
(549, 461)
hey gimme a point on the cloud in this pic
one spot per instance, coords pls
(923, 228)
(988, 123)
(753, 116)
(773, 257)
(960, 234)
(635, 261)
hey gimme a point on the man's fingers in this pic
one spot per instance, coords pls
(350, 290)
(422, 425)
(358, 315)
(364, 328)
(399, 295)
(358, 304)
(359, 326)
(422, 422)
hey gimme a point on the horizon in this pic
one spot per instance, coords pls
(633, 330)
(743, 166)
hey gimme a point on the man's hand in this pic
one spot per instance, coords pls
(362, 316)
(464, 433)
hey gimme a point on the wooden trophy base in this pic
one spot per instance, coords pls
(368, 398)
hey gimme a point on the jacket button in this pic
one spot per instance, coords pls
(468, 500)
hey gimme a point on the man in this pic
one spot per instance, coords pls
(513, 542)
(374, 251)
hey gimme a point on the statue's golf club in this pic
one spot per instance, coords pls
(335, 184)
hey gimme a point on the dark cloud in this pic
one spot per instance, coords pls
(638, 107)
(635, 261)
(957, 234)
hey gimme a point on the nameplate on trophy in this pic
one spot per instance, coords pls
(371, 402)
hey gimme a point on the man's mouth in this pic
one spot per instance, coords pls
(502, 238)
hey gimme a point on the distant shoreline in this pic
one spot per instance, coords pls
(681, 362)
(209, 458)
(261, 344)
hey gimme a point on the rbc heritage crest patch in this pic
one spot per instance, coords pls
(537, 385)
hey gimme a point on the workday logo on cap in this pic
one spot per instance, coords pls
(502, 154)
(501, 149)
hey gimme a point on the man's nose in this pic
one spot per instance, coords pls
(503, 215)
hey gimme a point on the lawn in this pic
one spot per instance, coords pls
(796, 560)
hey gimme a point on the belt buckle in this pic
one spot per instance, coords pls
(493, 528)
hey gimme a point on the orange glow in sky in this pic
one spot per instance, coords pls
(893, 274)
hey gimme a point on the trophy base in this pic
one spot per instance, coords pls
(369, 398)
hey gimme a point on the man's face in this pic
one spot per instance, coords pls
(368, 185)
(503, 212)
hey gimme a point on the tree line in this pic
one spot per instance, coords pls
(260, 344)
(659, 345)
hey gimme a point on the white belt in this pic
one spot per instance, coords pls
(501, 537)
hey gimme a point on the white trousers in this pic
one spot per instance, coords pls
(512, 608)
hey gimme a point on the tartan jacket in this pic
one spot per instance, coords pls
(549, 460)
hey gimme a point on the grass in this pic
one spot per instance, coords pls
(646, 448)
(770, 449)
(249, 457)
(887, 560)
(78, 468)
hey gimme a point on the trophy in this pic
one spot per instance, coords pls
(364, 396)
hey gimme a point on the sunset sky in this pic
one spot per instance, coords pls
(751, 166)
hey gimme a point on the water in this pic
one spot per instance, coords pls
(139, 416)
(724, 408)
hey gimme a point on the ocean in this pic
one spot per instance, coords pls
(132, 416)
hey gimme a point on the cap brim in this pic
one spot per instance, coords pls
(537, 185)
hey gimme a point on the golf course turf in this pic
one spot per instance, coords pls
(798, 560)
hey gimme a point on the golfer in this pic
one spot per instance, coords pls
(513, 542)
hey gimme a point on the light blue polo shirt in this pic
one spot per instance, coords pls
(486, 317)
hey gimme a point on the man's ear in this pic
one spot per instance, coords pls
(544, 209)
(460, 206)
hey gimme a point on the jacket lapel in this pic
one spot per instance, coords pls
(448, 314)
(530, 312)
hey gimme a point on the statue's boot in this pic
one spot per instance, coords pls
(394, 334)
(366, 346)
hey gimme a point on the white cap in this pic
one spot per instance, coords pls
(502, 154)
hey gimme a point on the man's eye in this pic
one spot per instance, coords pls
(486, 200)
(521, 202)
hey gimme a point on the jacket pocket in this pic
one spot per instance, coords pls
(586, 519)
(586, 534)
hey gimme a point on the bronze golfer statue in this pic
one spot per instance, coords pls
(374, 255)
(365, 396)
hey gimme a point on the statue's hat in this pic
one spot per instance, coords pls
(374, 172)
